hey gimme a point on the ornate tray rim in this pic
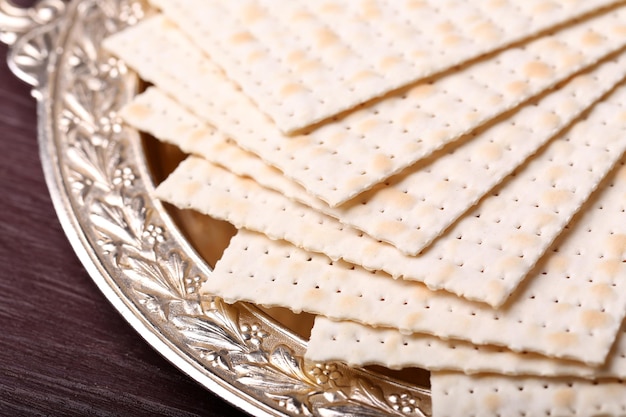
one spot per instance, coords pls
(101, 188)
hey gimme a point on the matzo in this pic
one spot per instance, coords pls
(410, 209)
(159, 115)
(361, 345)
(304, 61)
(571, 306)
(483, 257)
(457, 395)
(339, 160)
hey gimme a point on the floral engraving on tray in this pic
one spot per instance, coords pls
(322, 389)
(105, 190)
(32, 32)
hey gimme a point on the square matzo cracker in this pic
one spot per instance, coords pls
(360, 345)
(457, 395)
(305, 61)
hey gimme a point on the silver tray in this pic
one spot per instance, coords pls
(146, 258)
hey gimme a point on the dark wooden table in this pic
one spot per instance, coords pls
(64, 350)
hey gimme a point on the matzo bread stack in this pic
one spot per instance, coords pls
(355, 148)
(441, 182)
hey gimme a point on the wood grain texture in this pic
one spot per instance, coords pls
(64, 350)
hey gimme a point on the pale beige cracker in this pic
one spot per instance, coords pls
(571, 306)
(360, 345)
(341, 159)
(410, 209)
(154, 112)
(304, 61)
(458, 395)
(483, 257)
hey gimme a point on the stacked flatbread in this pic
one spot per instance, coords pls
(442, 182)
